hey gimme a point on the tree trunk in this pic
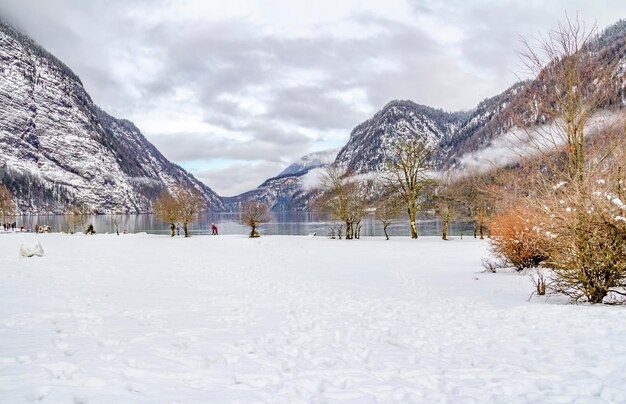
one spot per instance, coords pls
(385, 230)
(253, 231)
(172, 229)
(411, 213)
(481, 228)
(444, 232)
(348, 231)
(474, 228)
(186, 229)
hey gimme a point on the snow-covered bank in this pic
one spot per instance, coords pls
(139, 318)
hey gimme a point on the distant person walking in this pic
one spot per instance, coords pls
(214, 229)
(177, 229)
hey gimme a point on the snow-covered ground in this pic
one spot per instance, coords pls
(139, 318)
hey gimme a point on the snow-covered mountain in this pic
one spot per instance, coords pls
(452, 134)
(57, 148)
(522, 103)
(370, 142)
(481, 125)
(288, 190)
(310, 161)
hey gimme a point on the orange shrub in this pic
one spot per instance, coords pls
(517, 238)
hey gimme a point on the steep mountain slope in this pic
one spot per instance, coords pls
(370, 142)
(486, 122)
(58, 149)
(524, 104)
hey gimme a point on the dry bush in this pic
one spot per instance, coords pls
(588, 241)
(539, 280)
(492, 265)
(517, 239)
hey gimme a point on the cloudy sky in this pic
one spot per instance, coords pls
(235, 90)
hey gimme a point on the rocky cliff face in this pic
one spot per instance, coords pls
(58, 149)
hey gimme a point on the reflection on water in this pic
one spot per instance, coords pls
(285, 223)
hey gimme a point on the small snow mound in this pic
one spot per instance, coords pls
(31, 249)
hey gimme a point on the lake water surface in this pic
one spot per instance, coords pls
(283, 223)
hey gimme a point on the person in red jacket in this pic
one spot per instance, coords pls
(214, 229)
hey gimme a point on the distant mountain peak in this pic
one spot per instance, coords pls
(310, 161)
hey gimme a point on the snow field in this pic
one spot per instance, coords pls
(141, 318)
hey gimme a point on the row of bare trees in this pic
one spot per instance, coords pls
(408, 187)
(180, 206)
(183, 206)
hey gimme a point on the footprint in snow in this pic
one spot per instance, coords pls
(61, 370)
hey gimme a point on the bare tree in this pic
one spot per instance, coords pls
(388, 210)
(77, 217)
(478, 195)
(407, 174)
(445, 210)
(166, 209)
(572, 82)
(253, 215)
(344, 199)
(446, 203)
(189, 203)
(182, 206)
(7, 205)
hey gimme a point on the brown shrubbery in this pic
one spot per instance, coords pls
(588, 246)
(516, 238)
